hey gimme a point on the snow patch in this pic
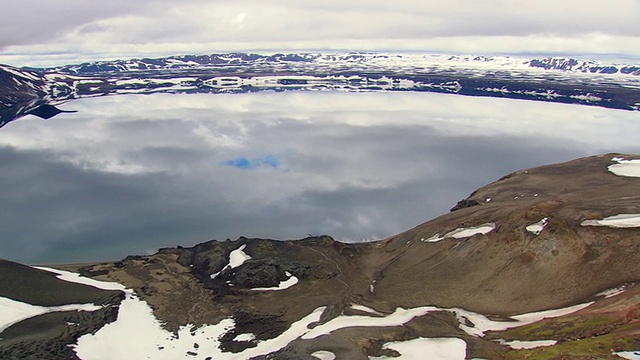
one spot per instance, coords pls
(292, 280)
(324, 355)
(537, 228)
(114, 340)
(481, 323)
(630, 168)
(462, 233)
(236, 258)
(79, 279)
(12, 311)
(468, 232)
(366, 309)
(434, 238)
(295, 331)
(612, 292)
(399, 317)
(517, 344)
(423, 348)
(245, 337)
(616, 221)
(630, 355)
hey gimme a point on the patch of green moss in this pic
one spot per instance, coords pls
(598, 347)
(564, 328)
(263, 248)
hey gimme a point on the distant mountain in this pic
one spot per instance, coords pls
(24, 92)
(20, 91)
(550, 79)
(562, 237)
(348, 61)
(592, 67)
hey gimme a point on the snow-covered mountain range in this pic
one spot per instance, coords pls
(547, 79)
(352, 61)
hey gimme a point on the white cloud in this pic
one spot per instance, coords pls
(144, 28)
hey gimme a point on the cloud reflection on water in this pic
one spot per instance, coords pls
(129, 174)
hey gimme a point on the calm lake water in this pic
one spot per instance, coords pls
(129, 174)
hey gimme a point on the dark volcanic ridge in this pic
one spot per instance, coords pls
(562, 236)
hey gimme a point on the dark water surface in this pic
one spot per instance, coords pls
(129, 174)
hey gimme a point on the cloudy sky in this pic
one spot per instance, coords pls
(41, 33)
(129, 174)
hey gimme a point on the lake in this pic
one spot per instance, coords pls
(131, 173)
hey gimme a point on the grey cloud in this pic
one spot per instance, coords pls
(143, 28)
(62, 213)
(37, 22)
(127, 175)
(33, 22)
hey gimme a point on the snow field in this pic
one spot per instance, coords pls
(517, 344)
(616, 221)
(12, 311)
(483, 324)
(79, 279)
(292, 280)
(630, 355)
(137, 333)
(462, 233)
(236, 258)
(324, 355)
(245, 337)
(366, 309)
(537, 228)
(424, 348)
(397, 318)
(612, 292)
(630, 168)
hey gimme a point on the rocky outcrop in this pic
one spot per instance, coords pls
(464, 203)
(267, 267)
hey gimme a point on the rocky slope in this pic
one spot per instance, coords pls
(537, 239)
(510, 269)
